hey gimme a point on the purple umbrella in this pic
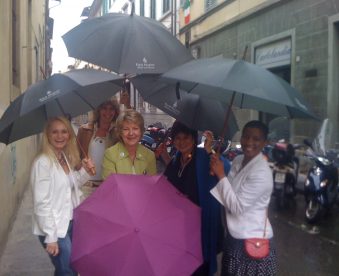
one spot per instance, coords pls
(136, 225)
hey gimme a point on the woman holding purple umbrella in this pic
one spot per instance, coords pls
(189, 172)
(55, 183)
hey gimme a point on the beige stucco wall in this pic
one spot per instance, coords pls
(227, 13)
(16, 158)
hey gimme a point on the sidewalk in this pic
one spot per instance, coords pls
(23, 255)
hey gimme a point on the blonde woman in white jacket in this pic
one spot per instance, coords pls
(55, 182)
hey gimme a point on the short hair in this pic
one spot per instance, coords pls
(114, 103)
(71, 150)
(129, 115)
(179, 127)
(259, 125)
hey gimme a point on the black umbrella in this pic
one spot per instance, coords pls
(191, 109)
(126, 44)
(72, 93)
(240, 83)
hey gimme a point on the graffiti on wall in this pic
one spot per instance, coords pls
(13, 163)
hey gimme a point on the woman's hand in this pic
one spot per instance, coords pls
(161, 150)
(52, 248)
(88, 165)
(217, 166)
(209, 141)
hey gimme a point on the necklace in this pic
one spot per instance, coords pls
(183, 164)
(62, 160)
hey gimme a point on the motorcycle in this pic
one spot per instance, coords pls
(321, 184)
(285, 172)
(155, 135)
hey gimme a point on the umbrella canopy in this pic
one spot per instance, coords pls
(126, 44)
(253, 87)
(72, 93)
(191, 109)
(136, 225)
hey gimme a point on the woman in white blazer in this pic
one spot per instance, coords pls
(55, 183)
(245, 194)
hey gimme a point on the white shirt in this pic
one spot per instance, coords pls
(245, 194)
(54, 197)
(96, 150)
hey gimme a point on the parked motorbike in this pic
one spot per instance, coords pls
(285, 172)
(155, 135)
(321, 185)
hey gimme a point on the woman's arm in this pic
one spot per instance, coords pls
(254, 186)
(42, 183)
(108, 165)
(152, 167)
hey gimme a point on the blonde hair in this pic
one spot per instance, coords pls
(71, 150)
(129, 115)
(112, 102)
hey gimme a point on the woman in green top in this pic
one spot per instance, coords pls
(128, 156)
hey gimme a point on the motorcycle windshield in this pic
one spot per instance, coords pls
(325, 139)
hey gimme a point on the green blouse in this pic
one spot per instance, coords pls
(116, 160)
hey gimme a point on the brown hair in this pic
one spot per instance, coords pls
(112, 102)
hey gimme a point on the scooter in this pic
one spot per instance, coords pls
(285, 173)
(321, 185)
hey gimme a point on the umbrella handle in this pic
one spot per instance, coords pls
(92, 170)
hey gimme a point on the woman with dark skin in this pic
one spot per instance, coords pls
(189, 171)
(245, 194)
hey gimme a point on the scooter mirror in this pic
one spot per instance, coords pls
(307, 143)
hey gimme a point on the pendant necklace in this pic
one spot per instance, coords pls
(183, 164)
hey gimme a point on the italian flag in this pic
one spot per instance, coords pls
(187, 11)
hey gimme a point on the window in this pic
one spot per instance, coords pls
(142, 7)
(209, 4)
(165, 6)
(15, 45)
(153, 9)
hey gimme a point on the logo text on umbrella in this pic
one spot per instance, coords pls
(50, 94)
(145, 65)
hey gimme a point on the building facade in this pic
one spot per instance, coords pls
(24, 59)
(297, 40)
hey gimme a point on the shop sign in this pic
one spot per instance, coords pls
(274, 54)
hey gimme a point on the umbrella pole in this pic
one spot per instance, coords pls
(229, 109)
(224, 129)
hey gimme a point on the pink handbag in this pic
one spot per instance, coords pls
(258, 248)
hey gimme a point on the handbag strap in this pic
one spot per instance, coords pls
(265, 223)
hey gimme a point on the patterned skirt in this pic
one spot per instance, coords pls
(236, 262)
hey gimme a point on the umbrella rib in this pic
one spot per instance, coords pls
(242, 100)
(61, 108)
(81, 97)
(194, 86)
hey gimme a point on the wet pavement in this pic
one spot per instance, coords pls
(302, 249)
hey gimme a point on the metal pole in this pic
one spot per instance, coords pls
(174, 19)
